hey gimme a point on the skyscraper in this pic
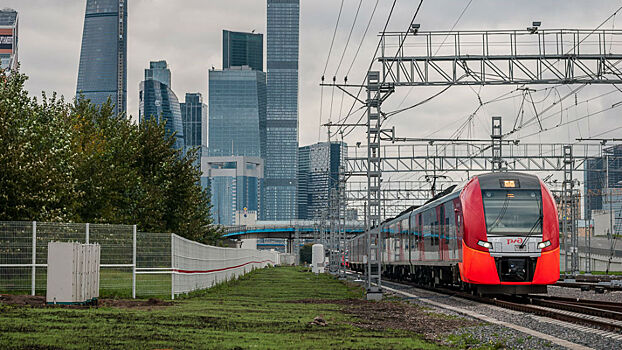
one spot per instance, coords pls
(237, 112)
(103, 58)
(194, 119)
(157, 100)
(601, 175)
(235, 185)
(282, 109)
(242, 49)
(318, 173)
(8, 39)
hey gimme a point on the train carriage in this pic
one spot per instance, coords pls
(496, 233)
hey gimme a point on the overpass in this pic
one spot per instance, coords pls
(290, 230)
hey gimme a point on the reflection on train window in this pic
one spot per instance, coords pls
(515, 212)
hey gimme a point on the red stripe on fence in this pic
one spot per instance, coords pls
(223, 269)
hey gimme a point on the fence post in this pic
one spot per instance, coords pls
(134, 262)
(172, 266)
(34, 257)
(88, 233)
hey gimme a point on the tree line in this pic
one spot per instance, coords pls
(77, 162)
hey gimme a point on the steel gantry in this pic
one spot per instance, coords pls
(447, 58)
(459, 156)
(377, 92)
(498, 57)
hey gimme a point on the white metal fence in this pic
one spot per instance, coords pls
(132, 263)
(198, 266)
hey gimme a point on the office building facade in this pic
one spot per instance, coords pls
(194, 119)
(318, 174)
(242, 49)
(282, 112)
(237, 112)
(8, 39)
(102, 73)
(157, 100)
(235, 184)
(601, 174)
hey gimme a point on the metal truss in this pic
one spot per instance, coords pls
(498, 57)
(396, 190)
(428, 158)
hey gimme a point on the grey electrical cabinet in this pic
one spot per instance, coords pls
(73, 273)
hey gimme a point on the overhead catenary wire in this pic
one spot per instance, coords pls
(330, 50)
(358, 49)
(332, 42)
(537, 119)
(412, 21)
(615, 105)
(440, 46)
(563, 110)
(345, 47)
(341, 128)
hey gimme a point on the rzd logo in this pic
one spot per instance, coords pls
(515, 240)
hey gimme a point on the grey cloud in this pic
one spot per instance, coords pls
(187, 33)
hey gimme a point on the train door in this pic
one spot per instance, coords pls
(389, 234)
(425, 236)
(450, 231)
(430, 222)
(411, 235)
(442, 233)
(397, 241)
(404, 240)
(459, 229)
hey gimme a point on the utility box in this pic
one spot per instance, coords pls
(73, 273)
(317, 258)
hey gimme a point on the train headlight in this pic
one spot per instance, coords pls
(484, 244)
(544, 244)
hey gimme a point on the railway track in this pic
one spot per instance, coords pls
(596, 314)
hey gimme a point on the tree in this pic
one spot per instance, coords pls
(36, 181)
(81, 163)
(306, 253)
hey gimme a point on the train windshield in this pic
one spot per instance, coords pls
(513, 212)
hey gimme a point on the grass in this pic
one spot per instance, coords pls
(253, 312)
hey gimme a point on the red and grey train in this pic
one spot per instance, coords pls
(496, 233)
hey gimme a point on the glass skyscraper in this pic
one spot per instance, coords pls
(318, 173)
(8, 39)
(194, 119)
(242, 49)
(237, 112)
(157, 100)
(282, 112)
(102, 73)
(600, 175)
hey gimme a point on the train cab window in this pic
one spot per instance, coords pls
(514, 212)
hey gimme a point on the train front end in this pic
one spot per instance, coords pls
(510, 234)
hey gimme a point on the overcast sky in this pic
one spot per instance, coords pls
(187, 33)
